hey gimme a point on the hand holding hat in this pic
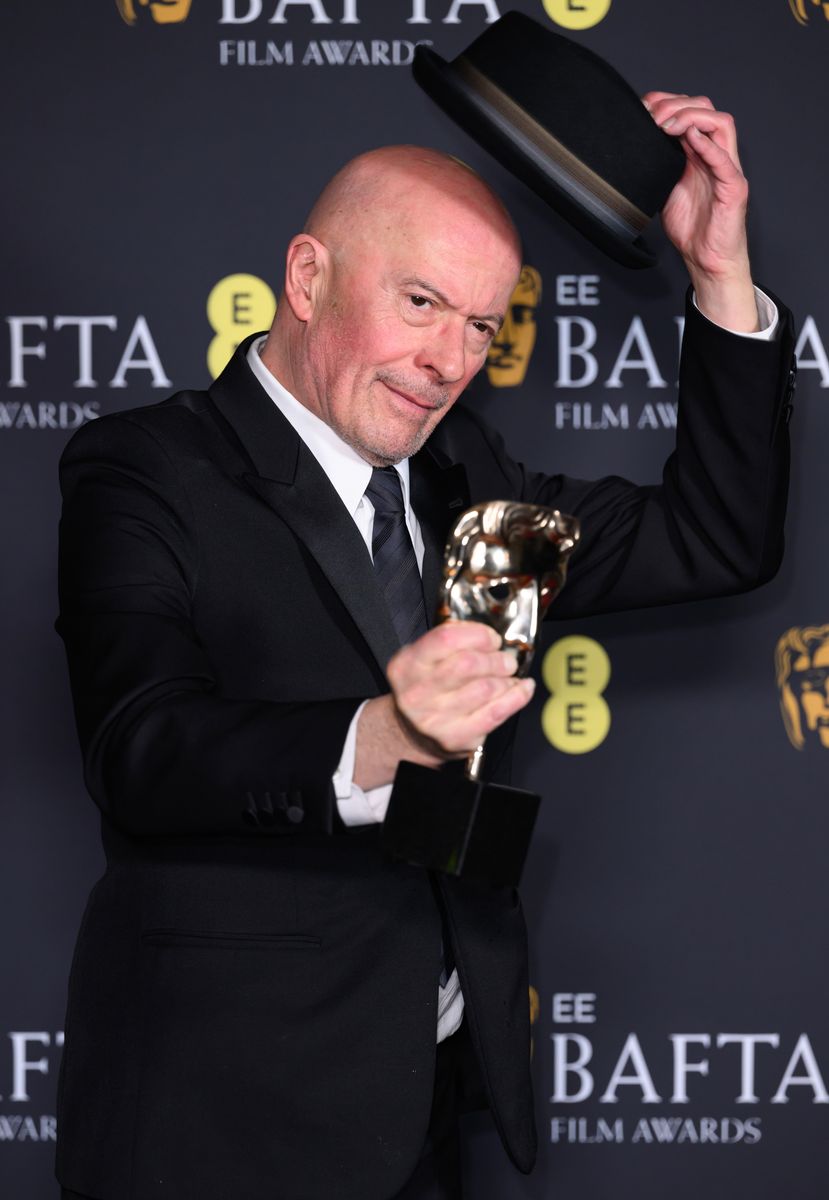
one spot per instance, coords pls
(563, 120)
(705, 213)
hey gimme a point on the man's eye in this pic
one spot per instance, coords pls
(420, 301)
(483, 328)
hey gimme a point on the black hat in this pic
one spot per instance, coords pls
(563, 120)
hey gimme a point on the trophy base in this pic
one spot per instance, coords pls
(445, 822)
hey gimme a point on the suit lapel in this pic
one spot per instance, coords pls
(440, 493)
(310, 506)
(281, 470)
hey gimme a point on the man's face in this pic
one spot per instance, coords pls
(407, 320)
(810, 683)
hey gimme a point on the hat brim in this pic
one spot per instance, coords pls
(493, 130)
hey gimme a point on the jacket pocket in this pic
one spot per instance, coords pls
(228, 939)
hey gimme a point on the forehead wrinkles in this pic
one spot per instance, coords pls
(464, 259)
(430, 213)
(398, 227)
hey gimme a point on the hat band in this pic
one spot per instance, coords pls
(573, 176)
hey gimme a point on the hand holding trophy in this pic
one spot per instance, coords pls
(504, 564)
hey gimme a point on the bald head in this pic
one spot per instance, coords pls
(383, 187)
(393, 294)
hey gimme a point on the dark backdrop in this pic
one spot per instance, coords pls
(676, 889)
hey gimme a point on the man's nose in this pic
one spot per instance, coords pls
(444, 352)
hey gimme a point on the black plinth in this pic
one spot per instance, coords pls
(441, 820)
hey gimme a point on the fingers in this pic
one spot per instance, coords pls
(455, 685)
(668, 102)
(723, 165)
(447, 639)
(681, 115)
(460, 726)
(718, 126)
(704, 215)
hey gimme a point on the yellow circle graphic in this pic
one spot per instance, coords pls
(576, 14)
(576, 718)
(238, 305)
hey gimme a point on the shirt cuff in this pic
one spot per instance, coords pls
(767, 315)
(355, 806)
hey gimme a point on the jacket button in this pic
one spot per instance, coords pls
(791, 382)
(295, 814)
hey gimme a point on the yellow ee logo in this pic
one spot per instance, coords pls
(576, 14)
(237, 306)
(576, 718)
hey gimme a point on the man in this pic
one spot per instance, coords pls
(254, 1006)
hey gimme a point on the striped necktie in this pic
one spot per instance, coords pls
(396, 568)
(395, 563)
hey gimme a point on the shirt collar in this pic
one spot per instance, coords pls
(348, 472)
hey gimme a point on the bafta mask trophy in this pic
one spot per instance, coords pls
(505, 562)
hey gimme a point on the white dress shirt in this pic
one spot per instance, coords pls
(768, 318)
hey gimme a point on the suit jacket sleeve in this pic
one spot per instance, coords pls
(715, 524)
(164, 752)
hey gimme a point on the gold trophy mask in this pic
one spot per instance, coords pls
(504, 564)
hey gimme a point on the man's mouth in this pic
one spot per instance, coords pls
(417, 402)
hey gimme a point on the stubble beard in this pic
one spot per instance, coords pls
(381, 454)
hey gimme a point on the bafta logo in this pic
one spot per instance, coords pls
(802, 666)
(801, 9)
(164, 12)
(511, 351)
(535, 1013)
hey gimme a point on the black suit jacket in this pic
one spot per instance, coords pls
(252, 1000)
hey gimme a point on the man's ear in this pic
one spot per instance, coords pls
(306, 270)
